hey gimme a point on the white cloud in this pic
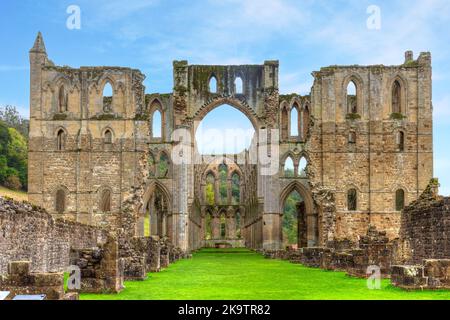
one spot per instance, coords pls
(292, 82)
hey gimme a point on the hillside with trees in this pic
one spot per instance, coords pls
(13, 149)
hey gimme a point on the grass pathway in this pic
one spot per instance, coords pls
(241, 274)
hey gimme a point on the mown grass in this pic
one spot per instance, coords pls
(16, 195)
(244, 275)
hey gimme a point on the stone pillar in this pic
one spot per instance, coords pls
(231, 224)
(164, 223)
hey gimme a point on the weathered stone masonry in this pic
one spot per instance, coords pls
(368, 154)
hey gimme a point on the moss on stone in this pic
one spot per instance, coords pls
(60, 116)
(106, 116)
(397, 116)
(353, 116)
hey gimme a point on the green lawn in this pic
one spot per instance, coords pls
(241, 274)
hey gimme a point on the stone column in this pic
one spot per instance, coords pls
(164, 223)
(231, 223)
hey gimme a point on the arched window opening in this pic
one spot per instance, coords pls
(210, 196)
(61, 140)
(108, 94)
(157, 124)
(223, 226)
(224, 130)
(400, 141)
(213, 85)
(399, 200)
(352, 98)
(352, 137)
(289, 167)
(235, 189)
(62, 99)
(208, 226)
(238, 86)
(352, 200)
(284, 123)
(238, 224)
(396, 97)
(223, 183)
(163, 166)
(108, 137)
(291, 222)
(105, 201)
(151, 165)
(147, 222)
(294, 121)
(302, 167)
(60, 201)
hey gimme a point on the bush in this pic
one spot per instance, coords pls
(13, 183)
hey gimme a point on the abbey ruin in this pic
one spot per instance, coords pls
(358, 159)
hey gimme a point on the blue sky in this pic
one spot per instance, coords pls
(303, 35)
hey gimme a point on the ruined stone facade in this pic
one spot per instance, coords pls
(425, 228)
(98, 160)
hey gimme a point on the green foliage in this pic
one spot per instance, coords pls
(11, 117)
(288, 172)
(353, 116)
(290, 222)
(13, 183)
(223, 183)
(163, 166)
(397, 116)
(13, 158)
(240, 274)
(235, 189)
(60, 116)
(210, 194)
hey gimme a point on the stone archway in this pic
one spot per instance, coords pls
(308, 231)
(155, 212)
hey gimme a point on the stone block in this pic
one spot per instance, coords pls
(408, 277)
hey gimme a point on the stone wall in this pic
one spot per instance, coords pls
(425, 228)
(372, 249)
(102, 271)
(28, 233)
(85, 148)
(20, 281)
(432, 274)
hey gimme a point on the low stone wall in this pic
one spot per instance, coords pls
(102, 271)
(433, 274)
(374, 249)
(134, 254)
(154, 254)
(28, 233)
(20, 281)
(147, 254)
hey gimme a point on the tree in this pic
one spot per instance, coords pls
(13, 157)
(12, 118)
